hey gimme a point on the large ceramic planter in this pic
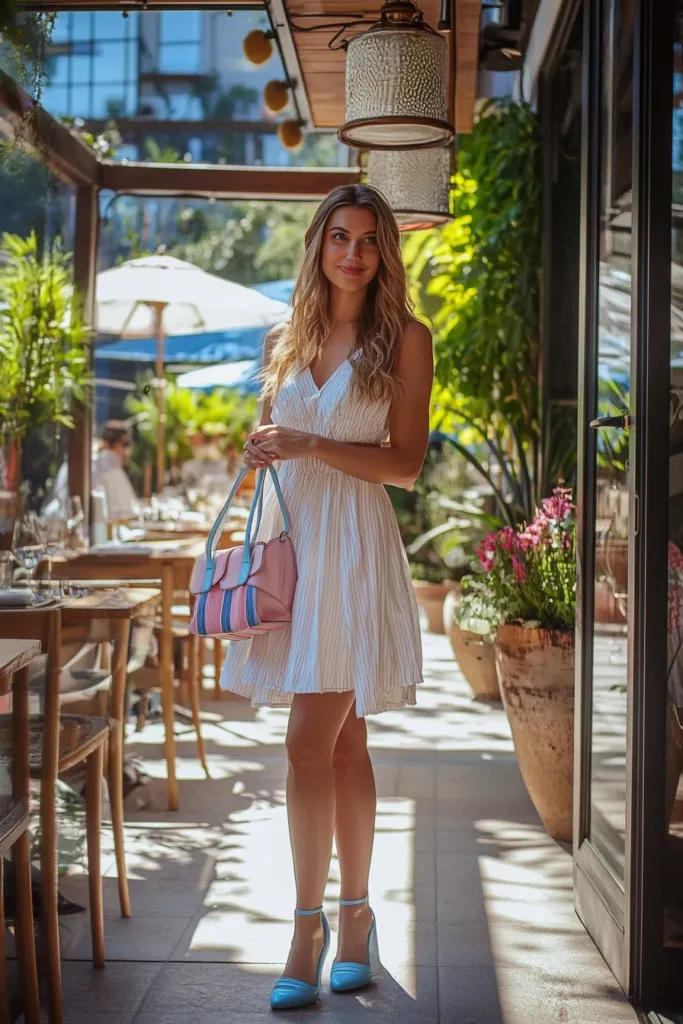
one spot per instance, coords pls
(536, 676)
(430, 598)
(475, 657)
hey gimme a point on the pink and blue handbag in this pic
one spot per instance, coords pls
(245, 590)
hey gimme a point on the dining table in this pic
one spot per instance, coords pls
(171, 561)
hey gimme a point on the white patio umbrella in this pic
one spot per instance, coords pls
(159, 296)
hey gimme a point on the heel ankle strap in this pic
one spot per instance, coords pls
(353, 903)
(308, 913)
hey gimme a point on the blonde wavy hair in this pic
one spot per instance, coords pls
(386, 310)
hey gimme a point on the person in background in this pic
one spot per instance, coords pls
(109, 471)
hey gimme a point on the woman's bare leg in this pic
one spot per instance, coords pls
(315, 722)
(354, 829)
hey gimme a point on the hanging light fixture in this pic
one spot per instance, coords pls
(290, 134)
(257, 46)
(417, 185)
(396, 83)
(276, 96)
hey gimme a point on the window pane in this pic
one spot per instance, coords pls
(180, 26)
(60, 32)
(102, 96)
(179, 57)
(54, 99)
(110, 61)
(81, 25)
(110, 25)
(58, 70)
(81, 70)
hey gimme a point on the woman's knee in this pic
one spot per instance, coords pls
(307, 750)
(351, 745)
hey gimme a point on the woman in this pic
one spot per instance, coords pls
(351, 369)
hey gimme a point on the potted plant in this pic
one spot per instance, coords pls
(529, 576)
(470, 620)
(43, 348)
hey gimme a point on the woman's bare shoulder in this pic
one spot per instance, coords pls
(416, 343)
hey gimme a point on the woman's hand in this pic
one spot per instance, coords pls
(270, 443)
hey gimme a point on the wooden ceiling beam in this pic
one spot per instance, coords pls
(67, 156)
(224, 182)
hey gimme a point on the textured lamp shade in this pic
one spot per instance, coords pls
(416, 184)
(396, 83)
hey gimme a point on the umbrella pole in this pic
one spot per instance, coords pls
(161, 419)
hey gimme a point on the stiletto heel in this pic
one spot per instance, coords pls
(348, 976)
(288, 993)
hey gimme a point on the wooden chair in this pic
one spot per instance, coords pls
(14, 834)
(188, 669)
(58, 742)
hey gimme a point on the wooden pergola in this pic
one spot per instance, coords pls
(317, 74)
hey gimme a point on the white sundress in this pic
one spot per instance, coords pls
(355, 622)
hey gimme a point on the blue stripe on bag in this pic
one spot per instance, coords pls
(225, 612)
(201, 614)
(252, 617)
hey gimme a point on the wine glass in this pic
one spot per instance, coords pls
(26, 542)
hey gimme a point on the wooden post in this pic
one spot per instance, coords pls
(161, 397)
(79, 439)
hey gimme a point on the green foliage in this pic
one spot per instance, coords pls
(43, 342)
(257, 242)
(484, 269)
(478, 280)
(223, 415)
(439, 540)
(24, 40)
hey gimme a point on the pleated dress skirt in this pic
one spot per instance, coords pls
(355, 624)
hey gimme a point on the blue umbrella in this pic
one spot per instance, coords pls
(281, 291)
(208, 347)
(240, 375)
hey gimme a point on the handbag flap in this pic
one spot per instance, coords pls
(231, 572)
(199, 570)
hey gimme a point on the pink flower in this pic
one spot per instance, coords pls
(507, 538)
(518, 569)
(487, 551)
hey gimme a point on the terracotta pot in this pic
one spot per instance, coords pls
(475, 657)
(536, 676)
(430, 597)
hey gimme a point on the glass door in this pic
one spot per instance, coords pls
(606, 488)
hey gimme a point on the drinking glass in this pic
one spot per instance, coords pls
(27, 543)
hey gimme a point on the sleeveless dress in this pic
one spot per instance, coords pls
(355, 622)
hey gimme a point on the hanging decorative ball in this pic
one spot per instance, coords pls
(290, 134)
(416, 184)
(276, 96)
(258, 46)
(396, 83)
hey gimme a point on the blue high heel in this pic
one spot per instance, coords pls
(288, 993)
(348, 976)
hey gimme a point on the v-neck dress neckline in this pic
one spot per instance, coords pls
(332, 376)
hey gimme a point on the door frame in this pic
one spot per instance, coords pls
(627, 925)
(598, 898)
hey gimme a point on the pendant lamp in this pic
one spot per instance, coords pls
(416, 184)
(396, 83)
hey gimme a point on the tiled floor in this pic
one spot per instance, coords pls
(473, 901)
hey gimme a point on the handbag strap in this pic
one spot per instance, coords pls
(214, 538)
